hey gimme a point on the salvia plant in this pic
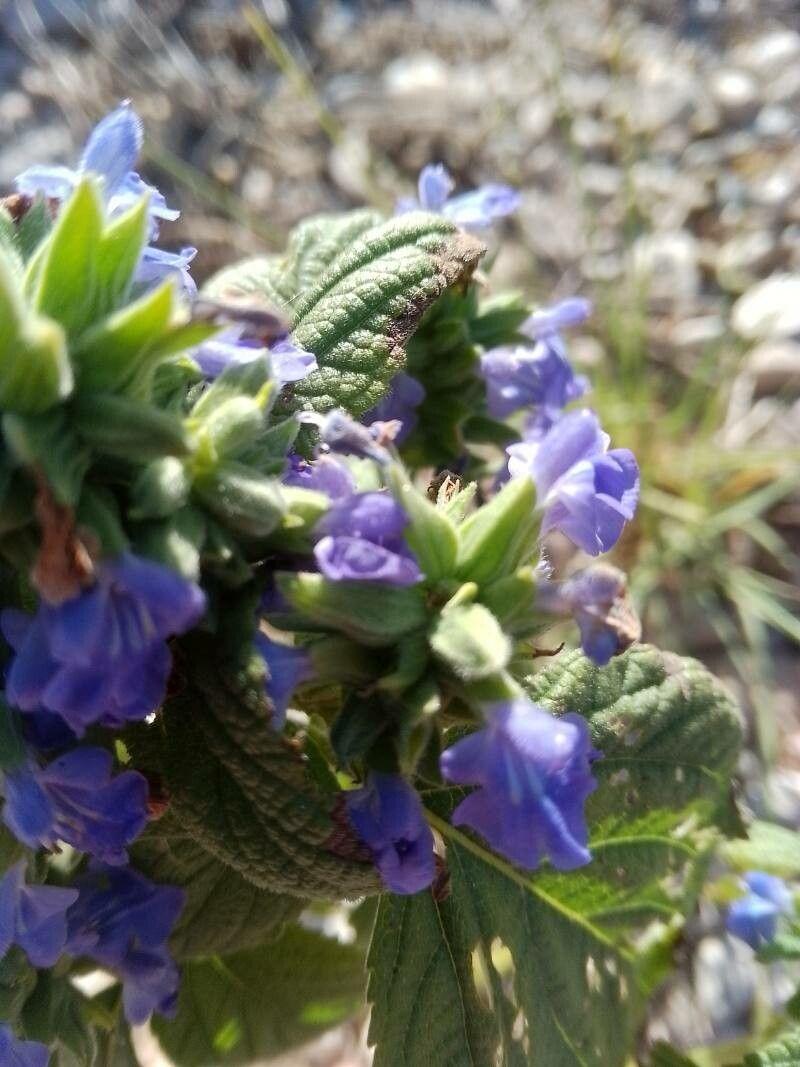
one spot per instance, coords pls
(276, 600)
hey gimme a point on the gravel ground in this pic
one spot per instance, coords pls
(653, 141)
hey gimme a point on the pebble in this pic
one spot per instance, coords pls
(775, 367)
(736, 93)
(668, 263)
(741, 260)
(771, 308)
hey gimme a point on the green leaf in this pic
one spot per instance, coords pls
(35, 371)
(53, 1014)
(64, 274)
(177, 542)
(116, 353)
(223, 911)
(49, 443)
(243, 501)
(430, 534)
(768, 847)
(129, 429)
(118, 253)
(281, 280)
(161, 489)
(114, 1048)
(255, 1004)
(497, 537)
(357, 318)
(783, 1052)
(369, 612)
(468, 639)
(234, 785)
(560, 954)
(17, 981)
(33, 228)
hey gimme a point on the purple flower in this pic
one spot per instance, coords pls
(587, 492)
(343, 434)
(111, 153)
(754, 917)
(287, 667)
(549, 321)
(473, 210)
(538, 377)
(123, 921)
(387, 815)
(324, 475)
(101, 655)
(15, 1053)
(362, 541)
(33, 917)
(76, 799)
(157, 264)
(534, 775)
(231, 347)
(597, 599)
(399, 405)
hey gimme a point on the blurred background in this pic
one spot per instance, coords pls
(657, 146)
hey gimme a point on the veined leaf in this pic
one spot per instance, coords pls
(783, 1052)
(768, 847)
(557, 954)
(237, 788)
(366, 305)
(223, 911)
(251, 1005)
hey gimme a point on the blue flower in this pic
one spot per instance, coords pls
(534, 775)
(33, 917)
(123, 922)
(287, 667)
(231, 347)
(362, 541)
(548, 322)
(101, 656)
(399, 405)
(587, 492)
(76, 799)
(596, 598)
(387, 815)
(754, 917)
(473, 210)
(156, 264)
(539, 377)
(340, 433)
(16, 1053)
(111, 153)
(324, 475)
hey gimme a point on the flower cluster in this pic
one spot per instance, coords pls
(206, 483)
(754, 917)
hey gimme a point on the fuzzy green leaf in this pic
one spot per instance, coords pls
(369, 612)
(64, 274)
(497, 537)
(235, 786)
(783, 1052)
(255, 1004)
(367, 304)
(223, 911)
(53, 1014)
(468, 639)
(562, 946)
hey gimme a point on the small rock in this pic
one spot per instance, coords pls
(736, 94)
(697, 333)
(742, 260)
(770, 54)
(775, 367)
(420, 72)
(769, 309)
(669, 262)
